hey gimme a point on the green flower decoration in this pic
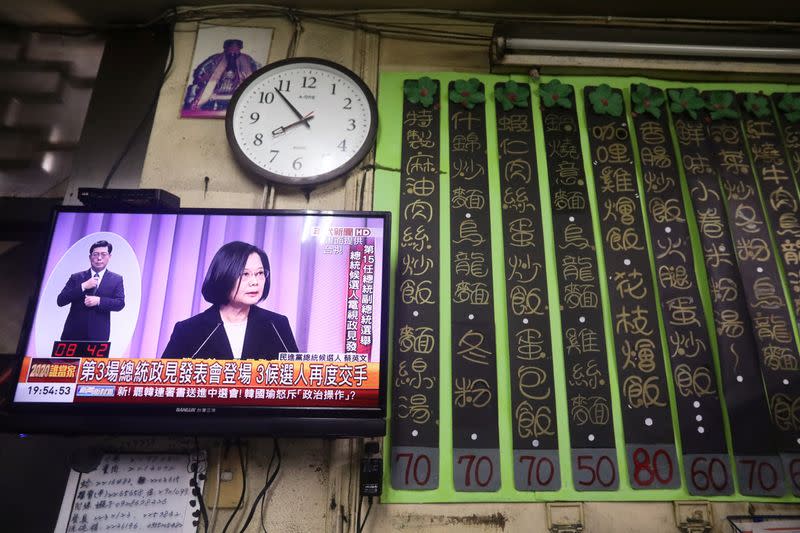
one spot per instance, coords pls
(555, 93)
(467, 93)
(605, 101)
(757, 104)
(512, 95)
(647, 100)
(420, 91)
(790, 105)
(719, 103)
(685, 101)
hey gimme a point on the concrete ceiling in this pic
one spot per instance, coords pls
(100, 12)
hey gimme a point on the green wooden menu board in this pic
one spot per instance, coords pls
(524, 215)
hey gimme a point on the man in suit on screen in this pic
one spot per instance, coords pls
(92, 294)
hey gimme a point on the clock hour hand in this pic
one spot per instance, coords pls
(293, 108)
(282, 129)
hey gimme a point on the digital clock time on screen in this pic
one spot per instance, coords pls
(80, 349)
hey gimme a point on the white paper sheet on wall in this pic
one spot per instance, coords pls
(133, 492)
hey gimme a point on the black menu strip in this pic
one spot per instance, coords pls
(702, 436)
(761, 281)
(591, 425)
(787, 109)
(476, 453)
(415, 393)
(790, 130)
(686, 325)
(644, 392)
(774, 173)
(760, 277)
(533, 411)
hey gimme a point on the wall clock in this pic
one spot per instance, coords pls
(301, 121)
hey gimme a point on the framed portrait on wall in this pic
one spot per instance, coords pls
(224, 56)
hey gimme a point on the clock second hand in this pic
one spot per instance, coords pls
(282, 129)
(293, 108)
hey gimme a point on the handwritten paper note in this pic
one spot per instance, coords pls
(134, 492)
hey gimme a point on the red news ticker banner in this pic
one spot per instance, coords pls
(279, 383)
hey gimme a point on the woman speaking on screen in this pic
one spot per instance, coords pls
(234, 327)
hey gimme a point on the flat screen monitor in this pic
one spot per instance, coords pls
(202, 321)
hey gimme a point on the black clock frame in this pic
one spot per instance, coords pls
(309, 181)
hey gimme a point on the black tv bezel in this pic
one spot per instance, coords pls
(72, 418)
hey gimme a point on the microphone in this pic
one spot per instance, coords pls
(285, 349)
(205, 341)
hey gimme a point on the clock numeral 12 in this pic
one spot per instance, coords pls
(309, 82)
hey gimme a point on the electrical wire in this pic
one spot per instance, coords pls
(402, 28)
(291, 51)
(420, 32)
(246, 9)
(332, 20)
(263, 500)
(387, 30)
(151, 108)
(297, 30)
(261, 516)
(196, 490)
(244, 486)
(478, 35)
(216, 497)
(268, 481)
(364, 523)
(249, 10)
(358, 513)
(484, 15)
(56, 184)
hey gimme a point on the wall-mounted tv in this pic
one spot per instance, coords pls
(210, 322)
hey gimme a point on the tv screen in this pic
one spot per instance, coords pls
(209, 321)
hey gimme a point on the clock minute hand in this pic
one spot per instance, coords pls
(293, 108)
(282, 129)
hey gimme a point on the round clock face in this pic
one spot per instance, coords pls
(301, 121)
